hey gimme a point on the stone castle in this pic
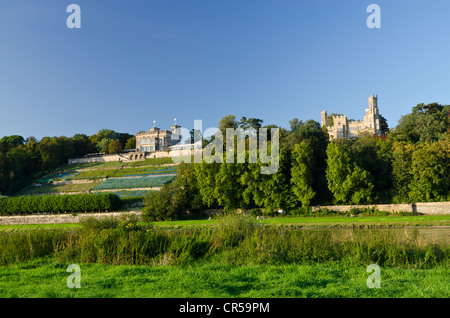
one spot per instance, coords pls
(157, 143)
(341, 127)
(157, 140)
(154, 143)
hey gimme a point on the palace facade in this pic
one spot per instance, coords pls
(157, 140)
(341, 127)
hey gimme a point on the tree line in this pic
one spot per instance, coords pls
(24, 160)
(411, 163)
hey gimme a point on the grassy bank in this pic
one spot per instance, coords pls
(238, 258)
(45, 278)
(328, 221)
(302, 222)
(234, 240)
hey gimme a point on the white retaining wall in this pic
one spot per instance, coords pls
(421, 207)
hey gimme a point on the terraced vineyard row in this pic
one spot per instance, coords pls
(130, 183)
(116, 164)
(131, 172)
(120, 178)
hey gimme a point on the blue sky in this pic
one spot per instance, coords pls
(133, 62)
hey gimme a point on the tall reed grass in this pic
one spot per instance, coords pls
(235, 240)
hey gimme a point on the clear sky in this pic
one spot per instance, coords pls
(133, 61)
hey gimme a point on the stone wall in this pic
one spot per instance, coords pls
(58, 218)
(80, 181)
(432, 207)
(421, 207)
(158, 154)
(105, 158)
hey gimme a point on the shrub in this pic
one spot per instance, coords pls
(98, 224)
(59, 203)
(373, 211)
(167, 204)
(233, 228)
(354, 211)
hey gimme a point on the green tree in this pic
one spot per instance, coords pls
(3, 173)
(228, 188)
(302, 174)
(82, 145)
(295, 124)
(425, 123)
(55, 151)
(103, 145)
(186, 179)
(430, 170)
(20, 169)
(401, 171)
(358, 186)
(383, 125)
(375, 156)
(229, 121)
(311, 133)
(115, 147)
(167, 204)
(247, 123)
(7, 143)
(347, 182)
(123, 138)
(275, 188)
(251, 180)
(131, 143)
(205, 174)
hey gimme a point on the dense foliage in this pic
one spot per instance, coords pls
(235, 240)
(24, 160)
(410, 164)
(59, 203)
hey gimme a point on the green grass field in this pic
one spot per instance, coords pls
(47, 279)
(331, 221)
(305, 221)
(240, 271)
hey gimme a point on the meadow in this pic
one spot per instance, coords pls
(45, 278)
(229, 256)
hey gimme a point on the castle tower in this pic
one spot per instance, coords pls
(323, 117)
(176, 134)
(373, 103)
(372, 118)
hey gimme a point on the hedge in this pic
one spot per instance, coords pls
(59, 203)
